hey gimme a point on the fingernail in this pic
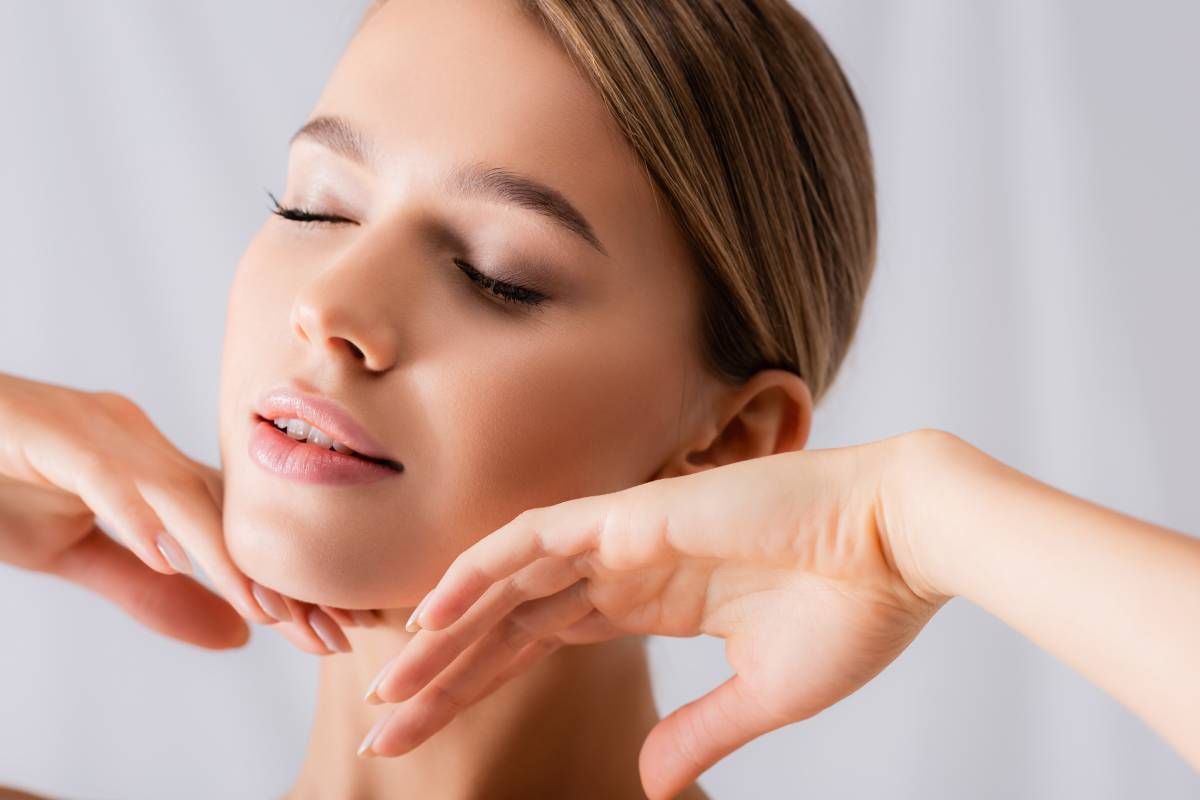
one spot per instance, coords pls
(413, 625)
(328, 631)
(173, 553)
(271, 602)
(370, 696)
(364, 749)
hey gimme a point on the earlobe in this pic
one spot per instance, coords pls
(769, 413)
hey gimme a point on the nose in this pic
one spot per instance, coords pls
(333, 312)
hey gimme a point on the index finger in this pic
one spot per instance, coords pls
(565, 529)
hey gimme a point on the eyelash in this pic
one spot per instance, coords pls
(507, 291)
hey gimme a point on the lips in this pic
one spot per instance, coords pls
(328, 416)
(279, 454)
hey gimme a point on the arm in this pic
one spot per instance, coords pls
(1114, 597)
(817, 568)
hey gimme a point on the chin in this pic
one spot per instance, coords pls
(330, 561)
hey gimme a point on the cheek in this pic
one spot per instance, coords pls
(582, 414)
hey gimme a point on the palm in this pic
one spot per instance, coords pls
(801, 641)
(802, 647)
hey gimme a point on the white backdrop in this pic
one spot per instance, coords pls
(1035, 294)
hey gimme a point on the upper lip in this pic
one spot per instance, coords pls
(326, 414)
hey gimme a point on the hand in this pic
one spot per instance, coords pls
(68, 456)
(795, 559)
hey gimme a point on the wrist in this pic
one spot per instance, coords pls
(918, 502)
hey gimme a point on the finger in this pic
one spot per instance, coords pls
(567, 529)
(699, 734)
(339, 615)
(509, 648)
(173, 605)
(595, 627)
(183, 502)
(531, 654)
(352, 617)
(270, 601)
(299, 632)
(394, 743)
(429, 652)
(118, 502)
(214, 482)
(327, 630)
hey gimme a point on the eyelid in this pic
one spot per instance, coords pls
(508, 289)
(303, 215)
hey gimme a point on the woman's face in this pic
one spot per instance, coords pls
(492, 405)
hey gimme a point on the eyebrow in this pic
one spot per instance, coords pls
(472, 179)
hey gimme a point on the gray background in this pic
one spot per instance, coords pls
(1035, 294)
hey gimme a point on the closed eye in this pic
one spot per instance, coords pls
(509, 292)
(303, 215)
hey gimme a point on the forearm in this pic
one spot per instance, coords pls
(1115, 597)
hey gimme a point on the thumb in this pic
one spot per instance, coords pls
(173, 605)
(697, 735)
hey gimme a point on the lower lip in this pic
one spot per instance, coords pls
(280, 454)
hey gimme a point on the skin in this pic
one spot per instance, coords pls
(489, 404)
(843, 554)
(782, 553)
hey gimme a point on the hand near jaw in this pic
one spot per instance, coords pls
(817, 568)
(785, 557)
(71, 456)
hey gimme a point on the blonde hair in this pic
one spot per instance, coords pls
(752, 134)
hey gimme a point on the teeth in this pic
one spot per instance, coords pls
(301, 431)
(319, 438)
(297, 429)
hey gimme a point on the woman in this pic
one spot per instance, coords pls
(529, 252)
(671, 293)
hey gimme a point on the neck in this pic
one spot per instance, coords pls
(570, 726)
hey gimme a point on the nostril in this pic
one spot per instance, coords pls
(356, 350)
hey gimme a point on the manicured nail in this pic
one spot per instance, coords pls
(370, 696)
(271, 602)
(364, 749)
(173, 553)
(413, 625)
(328, 631)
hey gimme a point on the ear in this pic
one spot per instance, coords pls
(770, 413)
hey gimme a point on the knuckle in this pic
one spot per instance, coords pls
(515, 631)
(688, 743)
(519, 587)
(528, 518)
(181, 481)
(134, 516)
(96, 468)
(444, 696)
(116, 403)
